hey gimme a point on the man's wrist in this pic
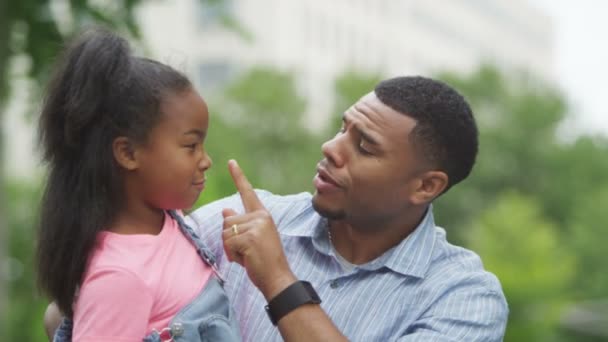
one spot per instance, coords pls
(294, 296)
(278, 284)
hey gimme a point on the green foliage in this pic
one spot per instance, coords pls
(267, 100)
(260, 122)
(532, 206)
(29, 28)
(520, 246)
(518, 123)
(26, 305)
(587, 236)
(349, 87)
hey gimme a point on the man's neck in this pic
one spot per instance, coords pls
(361, 242)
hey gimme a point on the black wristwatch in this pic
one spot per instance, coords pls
(295, 295)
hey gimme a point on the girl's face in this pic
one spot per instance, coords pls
(173, 161)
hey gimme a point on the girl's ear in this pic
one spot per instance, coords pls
(124, 153)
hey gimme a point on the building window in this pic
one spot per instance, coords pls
(214, 12)
(214, 75)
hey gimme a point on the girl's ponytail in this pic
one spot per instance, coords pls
(73, 125)
(81, 90)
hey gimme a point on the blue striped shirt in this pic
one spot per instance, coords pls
(423, 289)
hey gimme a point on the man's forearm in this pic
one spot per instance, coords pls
(309, 323)
(305, 323)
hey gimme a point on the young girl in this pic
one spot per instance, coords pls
(123, 137)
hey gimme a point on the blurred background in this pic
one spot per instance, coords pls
(278, 75)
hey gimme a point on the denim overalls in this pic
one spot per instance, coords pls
(209, 317)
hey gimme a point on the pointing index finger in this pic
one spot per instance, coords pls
(251, 202)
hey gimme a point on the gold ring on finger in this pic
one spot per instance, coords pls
(235, 229)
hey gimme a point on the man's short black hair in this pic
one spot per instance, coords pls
(445, 134)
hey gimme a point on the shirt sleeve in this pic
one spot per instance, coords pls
(113, 305)
(473, 314)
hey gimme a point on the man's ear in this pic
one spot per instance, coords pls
(124, 153)
(429, 185)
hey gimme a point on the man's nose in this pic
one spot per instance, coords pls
(333, 150)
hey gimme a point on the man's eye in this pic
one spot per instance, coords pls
(363, 151)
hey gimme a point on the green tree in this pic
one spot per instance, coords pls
(29, 29)
(26, 305)
(563, 183)
(521, 247)
(518, 121)
(259, 121)
(586, 227)
(349, 87)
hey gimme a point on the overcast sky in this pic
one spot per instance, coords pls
(581, 57)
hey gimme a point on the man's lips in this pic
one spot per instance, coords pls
(324, 182)
(327, 177)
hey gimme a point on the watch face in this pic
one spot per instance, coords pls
(314, 297)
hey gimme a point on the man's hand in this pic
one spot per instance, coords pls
(52, 319)
(251, 239)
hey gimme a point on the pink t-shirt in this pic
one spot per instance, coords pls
(137, 283)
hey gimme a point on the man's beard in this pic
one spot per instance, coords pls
(328, 214)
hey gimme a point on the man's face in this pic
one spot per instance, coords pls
(370, 169)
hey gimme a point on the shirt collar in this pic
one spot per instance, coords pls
(411, 257)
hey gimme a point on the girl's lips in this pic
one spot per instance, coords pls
(199, 185)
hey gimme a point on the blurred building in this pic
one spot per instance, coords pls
(318, 40)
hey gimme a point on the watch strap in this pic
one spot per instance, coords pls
(294, 296)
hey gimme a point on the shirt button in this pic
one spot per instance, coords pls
(177, 329)
(334, 284)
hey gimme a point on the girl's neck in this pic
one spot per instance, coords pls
(141, 220)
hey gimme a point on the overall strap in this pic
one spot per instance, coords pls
(203, 251)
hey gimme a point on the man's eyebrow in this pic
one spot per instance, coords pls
(369, 139)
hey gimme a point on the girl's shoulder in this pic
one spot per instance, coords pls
(135, 253)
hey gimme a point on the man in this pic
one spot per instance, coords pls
(366, 240)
